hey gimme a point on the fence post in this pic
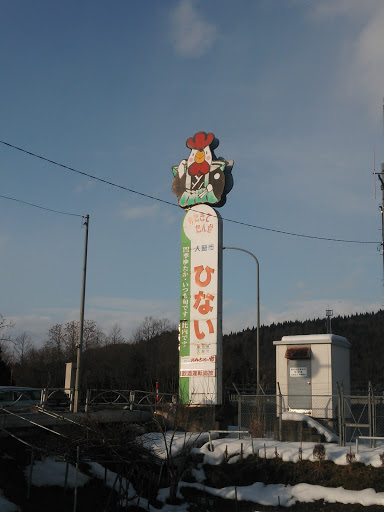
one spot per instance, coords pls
(343, 413)
(239, 415)
(71, 399)
(280, 413)
(374, 415)
(42, 397)
(371, 415)
(76, 480)
(66, 476)
(339, 414)
(131, 400)
(87, 400)
(30, 476)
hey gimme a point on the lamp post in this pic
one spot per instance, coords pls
(258, 317)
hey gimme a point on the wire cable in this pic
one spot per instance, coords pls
(142, 194)
(41, 207)
(313, 237)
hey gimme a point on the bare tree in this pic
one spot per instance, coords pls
(71, 339)
(5, 349)
(63, 341)
(115, 336)
(22, 345)
(55, 341)
(150, 328)
(93, 336)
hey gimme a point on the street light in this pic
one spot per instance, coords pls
(258, 317)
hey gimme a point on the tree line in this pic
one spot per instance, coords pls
(151, 354)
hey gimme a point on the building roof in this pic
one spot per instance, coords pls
(311, 339)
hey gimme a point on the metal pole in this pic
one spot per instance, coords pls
(29, 484)
(76, 479)
(382, 213)
(258, 317)
(81, 326)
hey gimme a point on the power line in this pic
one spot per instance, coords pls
(87, 174)
(313, 237)
(41, 207)
(142, 194)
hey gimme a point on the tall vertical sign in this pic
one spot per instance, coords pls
(201, 307)
(199, 181)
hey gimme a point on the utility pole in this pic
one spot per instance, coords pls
(381, 207)
(81, 326)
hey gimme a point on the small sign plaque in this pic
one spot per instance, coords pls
(298, 372)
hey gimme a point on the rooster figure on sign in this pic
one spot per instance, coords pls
(202, 178)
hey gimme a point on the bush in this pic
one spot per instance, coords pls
(319, 452)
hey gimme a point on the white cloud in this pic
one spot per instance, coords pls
(136, 306)
(140, 212)
(330, 10)
(191, 34)
(295, 310)
(35, 325)
(305, 310)
(127, 313)
(362, 56)
(85, 186)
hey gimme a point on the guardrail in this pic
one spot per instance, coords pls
(239, 432)
(23, 397)
(371, 438)
(126, 398)
(17, 397)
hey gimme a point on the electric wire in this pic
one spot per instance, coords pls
(41, 207)
(164, 201)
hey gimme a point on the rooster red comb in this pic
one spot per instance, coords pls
(200, 140)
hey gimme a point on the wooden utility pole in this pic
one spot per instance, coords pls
(81, 326)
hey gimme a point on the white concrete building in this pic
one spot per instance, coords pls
(308, 371)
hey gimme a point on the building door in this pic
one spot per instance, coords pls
(299, 384)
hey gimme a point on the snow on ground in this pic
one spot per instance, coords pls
(287, 495)
(175, 442)
(7, 506)
(231, 448)
(295, 416)
(52, 472)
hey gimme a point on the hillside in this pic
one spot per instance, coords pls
(141, 364)
(364, 332)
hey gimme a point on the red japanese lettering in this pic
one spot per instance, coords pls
(199, 270)
(206, 307)
(200, 334)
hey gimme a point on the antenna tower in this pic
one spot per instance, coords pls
(329, 313)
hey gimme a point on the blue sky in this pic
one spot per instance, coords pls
(293, 90)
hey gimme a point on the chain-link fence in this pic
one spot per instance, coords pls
(338, 417)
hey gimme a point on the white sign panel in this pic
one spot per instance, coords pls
(298, 372)
(200, 307)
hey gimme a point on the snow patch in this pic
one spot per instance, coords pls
(7, 506)
(50, 471)
(330, 436)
